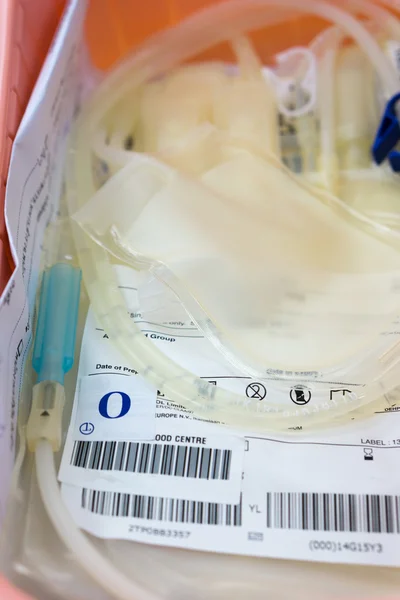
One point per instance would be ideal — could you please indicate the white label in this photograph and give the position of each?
(181, 465)
(331, 496)
(33, 190)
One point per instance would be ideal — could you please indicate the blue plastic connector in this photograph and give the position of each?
(53, 353)
(388, 136)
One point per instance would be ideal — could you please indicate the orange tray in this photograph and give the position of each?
(26, 30)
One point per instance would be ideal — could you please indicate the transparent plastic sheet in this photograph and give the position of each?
(48, 570)
(265, 252)
(155, 180)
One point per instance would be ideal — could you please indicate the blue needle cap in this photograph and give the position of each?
(53, 353)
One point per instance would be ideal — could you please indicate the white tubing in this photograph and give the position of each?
(328, 45)
(89, 558)
(209, 27)
(381, 16)
(217, 24)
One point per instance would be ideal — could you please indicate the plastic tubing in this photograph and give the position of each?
(380, 15)
(328, 44)
(99, 568)
(162, 52)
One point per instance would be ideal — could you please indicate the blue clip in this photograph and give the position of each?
(387, 136)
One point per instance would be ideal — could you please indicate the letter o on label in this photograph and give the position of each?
(125, 405)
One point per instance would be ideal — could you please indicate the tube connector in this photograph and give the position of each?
(45, 419)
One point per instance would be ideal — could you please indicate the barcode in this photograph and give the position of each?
(114, 504)
(364, 513)
(153, 459)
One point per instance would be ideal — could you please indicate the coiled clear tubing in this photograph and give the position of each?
(284, 239)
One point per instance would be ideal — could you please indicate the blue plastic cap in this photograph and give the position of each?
(387, 136)
(53, 353)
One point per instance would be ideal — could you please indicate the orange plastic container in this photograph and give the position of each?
(115, 27)
(26, 30)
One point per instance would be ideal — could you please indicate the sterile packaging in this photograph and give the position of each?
(227, 424)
